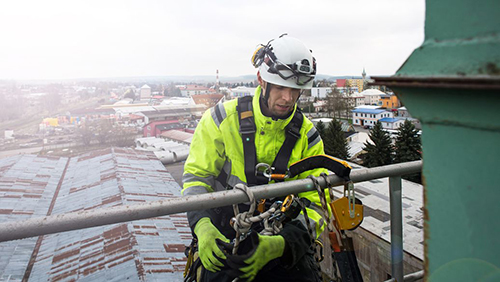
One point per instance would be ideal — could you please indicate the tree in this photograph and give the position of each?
(103, 129)
(333, 103)
(408, 147)
(335, 142)
(130, 94)
(320, 127)
(86, 134)
(380, 152)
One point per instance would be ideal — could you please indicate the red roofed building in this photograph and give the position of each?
(155, 128)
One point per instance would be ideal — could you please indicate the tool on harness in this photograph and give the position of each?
(193, 269)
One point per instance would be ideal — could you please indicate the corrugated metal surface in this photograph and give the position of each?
(178, 136)
(27, 187)
(147, 250)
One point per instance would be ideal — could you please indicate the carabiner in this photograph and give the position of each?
(265, 169)
(287, 203)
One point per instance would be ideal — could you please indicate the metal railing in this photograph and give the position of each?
(98, 217)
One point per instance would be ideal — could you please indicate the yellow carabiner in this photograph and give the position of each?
(287, 203)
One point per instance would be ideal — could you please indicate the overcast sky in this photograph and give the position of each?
(104, 38)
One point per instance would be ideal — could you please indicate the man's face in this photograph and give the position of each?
(281, 100)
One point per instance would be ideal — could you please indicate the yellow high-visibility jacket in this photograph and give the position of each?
(217, 146)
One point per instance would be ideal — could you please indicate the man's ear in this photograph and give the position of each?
(260, 80)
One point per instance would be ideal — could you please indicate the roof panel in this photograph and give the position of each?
(116, 252)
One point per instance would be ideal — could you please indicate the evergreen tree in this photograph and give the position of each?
(335, 142)
(408, 147)
(320, 127)
(380, 152)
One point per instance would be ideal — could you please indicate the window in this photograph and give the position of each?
(149, 127)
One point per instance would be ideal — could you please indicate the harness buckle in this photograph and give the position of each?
(247, 130)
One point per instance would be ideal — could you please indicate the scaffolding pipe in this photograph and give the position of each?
(412, 277)
(396, 211)
(98, 217)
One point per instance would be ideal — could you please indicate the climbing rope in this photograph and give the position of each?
(242, 222)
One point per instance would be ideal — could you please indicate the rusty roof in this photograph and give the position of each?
(143, 250)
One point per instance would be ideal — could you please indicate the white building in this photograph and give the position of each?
(392, 123)
(9, 134)
(372, 97)
(242, 91)
(320, 92)
(145, 92)
(365, 116)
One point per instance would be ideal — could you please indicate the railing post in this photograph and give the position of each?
(396, 228)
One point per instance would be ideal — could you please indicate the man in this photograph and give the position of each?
(281, 135)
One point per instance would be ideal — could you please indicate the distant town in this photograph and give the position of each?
(68, 118)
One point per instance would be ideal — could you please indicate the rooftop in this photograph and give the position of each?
(34, 186)
(368, 111)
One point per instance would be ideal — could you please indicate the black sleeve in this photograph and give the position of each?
(297, 243)
(194, 216)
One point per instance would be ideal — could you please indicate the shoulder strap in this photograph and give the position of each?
(292, 134)
(247, 130)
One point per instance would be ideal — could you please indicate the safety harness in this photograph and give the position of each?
(248, 129)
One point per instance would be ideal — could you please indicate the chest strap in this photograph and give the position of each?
(247, 131)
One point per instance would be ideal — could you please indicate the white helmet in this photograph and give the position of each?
(287, 62)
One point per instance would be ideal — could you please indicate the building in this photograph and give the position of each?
(320, 92)
(372, 97)
(355, 83)
(390, 101)
(344, 86)
(156, 128)
(241, 91)
(145, 92)
(403, 112)
(194, 89)
(392, 123)
(369, 116)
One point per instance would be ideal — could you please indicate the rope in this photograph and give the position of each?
(243, 221)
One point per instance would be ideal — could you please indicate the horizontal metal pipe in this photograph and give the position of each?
(98, 217)
(412, 277)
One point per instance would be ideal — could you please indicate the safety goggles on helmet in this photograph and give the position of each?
(301, 71)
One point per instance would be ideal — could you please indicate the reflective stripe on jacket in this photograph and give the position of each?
(217, 146)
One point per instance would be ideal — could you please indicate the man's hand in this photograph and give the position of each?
(208, 250)
(269, 248)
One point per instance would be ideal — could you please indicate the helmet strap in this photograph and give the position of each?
(265, 97)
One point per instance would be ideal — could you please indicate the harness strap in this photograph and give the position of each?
(247, 130)
(292, 134)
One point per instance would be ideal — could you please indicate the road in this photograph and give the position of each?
(33, 150)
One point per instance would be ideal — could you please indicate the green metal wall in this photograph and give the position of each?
(461, 137)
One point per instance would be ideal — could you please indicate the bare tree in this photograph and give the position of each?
(103, 129)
